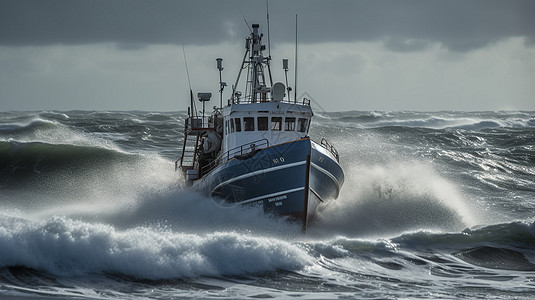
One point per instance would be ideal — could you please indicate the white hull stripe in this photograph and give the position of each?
(263, 171)
(272, 195)
(322, 170)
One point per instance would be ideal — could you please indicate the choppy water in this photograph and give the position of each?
(435, 205)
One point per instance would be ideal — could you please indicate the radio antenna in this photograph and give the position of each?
(295, 73)
(186, 64)
(192, 103)
(246, 23)
(267, 17)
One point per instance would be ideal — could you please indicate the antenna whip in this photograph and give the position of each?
(269, 40)
(186, 64)
(192, 103)
(246, 23)
(295, 73)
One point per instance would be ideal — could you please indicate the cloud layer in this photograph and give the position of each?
(410, 25)
(365, 54)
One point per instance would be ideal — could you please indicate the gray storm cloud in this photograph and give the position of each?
(411, 25)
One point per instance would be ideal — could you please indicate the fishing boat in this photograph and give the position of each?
(256, 149)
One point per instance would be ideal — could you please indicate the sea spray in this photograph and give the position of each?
(389, 200)
(187, 210)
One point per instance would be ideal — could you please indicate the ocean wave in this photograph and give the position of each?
(39, 130)
(62, 246)
(478, 125)
(439, 120)
(48, 179)
(382, 201)
(507, 246)
(66, 247)
(37, 157)
(519, 234)
(496, 258)
(159, 117)
(24, 129)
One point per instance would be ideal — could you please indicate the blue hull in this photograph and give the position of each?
(287, 179)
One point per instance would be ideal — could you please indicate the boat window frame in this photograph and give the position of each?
(248, 124)
(287, 123)
(263, 128)
(278, 121)
(300, 127)
(237, 122)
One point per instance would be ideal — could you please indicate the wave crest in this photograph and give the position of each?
(379, 201)
(62, 246)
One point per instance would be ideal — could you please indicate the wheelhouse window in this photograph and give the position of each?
(302, 125)
(289, 124)
(231, 125)
(237, 122)
(263, 123)
(276, 123)
(248, 124)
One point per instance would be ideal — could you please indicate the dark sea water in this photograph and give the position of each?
(435, 205)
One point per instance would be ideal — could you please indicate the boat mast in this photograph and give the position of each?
(255, 87)
(235, 94)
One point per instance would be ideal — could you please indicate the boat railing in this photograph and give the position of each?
(331, 148)
(236, 152)
(252, 99)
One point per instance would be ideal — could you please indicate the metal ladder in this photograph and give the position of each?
(189, 152)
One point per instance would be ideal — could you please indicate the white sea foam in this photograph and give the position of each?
(64, 246)
(388, 200)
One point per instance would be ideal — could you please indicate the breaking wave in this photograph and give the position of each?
(66, 247)
(91, 207)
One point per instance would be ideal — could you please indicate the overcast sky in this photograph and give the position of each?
(353, 55)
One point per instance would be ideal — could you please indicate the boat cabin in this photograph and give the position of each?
(270, 122)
